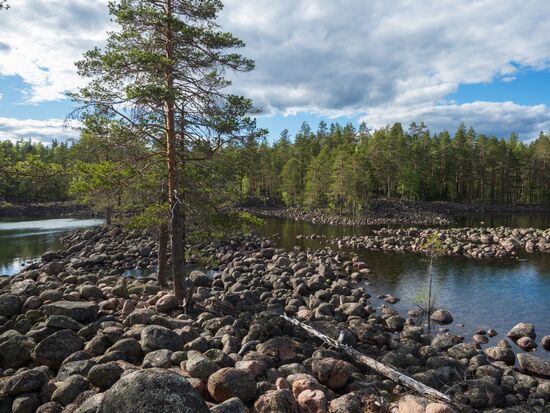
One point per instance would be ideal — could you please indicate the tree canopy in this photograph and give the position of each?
(161, 78)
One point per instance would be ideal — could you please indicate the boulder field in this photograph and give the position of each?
(478, 243)
(76, 336)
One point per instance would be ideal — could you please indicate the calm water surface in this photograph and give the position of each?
(22, 240)
(480, 294)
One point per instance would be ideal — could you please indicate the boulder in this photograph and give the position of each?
(152, 391)
(90, 292)
(312, 401)
(158, 358)
(91, 404)
(501, 352)
(24, 287)
(480, 339)
(276, 401)
(282, 349)
(234, 405)
(68, 368)
(395, 322)
(522, 330)
(438, 408)
(68, 390)
(543, 391)
(199, 366)
(533, 365)
(10, 305)
(300, 382)
(412, 404)
(200, 279)
(26, 381)
(462, 350)
(105, 375)
(157, 338)
(331, 372)
(77, 310)
(167, 303)
(15, 349)
(442, 317)
(26, 403)
(50, 295)
(55, 348)
(545, 343)
(230, 382)
(63, 322)
(50, 256)
(527, 343)
(446, 341)
(348, 403)
(53, 268)
(51, 407)
(130, 347)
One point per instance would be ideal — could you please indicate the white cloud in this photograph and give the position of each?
(41, 40)
(349, 57)
(384, 61)
(499, 118)
(37, 130)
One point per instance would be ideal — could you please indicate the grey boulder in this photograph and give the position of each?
(152, 391)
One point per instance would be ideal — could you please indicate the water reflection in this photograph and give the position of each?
(24, 240)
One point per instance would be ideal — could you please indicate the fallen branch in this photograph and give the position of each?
(380, 368)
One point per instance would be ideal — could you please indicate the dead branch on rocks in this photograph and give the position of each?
(380, 368)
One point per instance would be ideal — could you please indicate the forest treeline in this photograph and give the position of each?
(35, 172)
(343, 167)
(337, 167)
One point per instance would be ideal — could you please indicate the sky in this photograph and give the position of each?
(482, 62)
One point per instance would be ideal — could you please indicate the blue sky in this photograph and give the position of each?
(528, 88)
(482, 62)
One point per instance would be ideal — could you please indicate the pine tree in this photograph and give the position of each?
(290, 181)
(161, 75)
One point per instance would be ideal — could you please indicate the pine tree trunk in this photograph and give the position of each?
(108, 215)
(176, 206)
(163, 255)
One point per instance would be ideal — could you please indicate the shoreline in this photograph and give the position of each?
(394, 212)
(44, 210)
(113, 327)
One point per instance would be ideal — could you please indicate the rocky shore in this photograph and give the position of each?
(75, 336)
(476, 243)
(393, 212)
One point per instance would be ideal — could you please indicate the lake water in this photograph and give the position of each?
(480, 294)
(22, 240)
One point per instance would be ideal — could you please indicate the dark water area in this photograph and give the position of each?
(539, 220)
(495, 293)
(25, 239)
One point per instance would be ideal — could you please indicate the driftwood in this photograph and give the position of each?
(380, 368)
(248, 345)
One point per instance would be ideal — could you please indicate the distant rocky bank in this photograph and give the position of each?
(75, 336)
(476, 243)
(393, 212)
(45, 210)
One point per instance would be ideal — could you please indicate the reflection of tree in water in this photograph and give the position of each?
(289, 230)
(24, 247)
(538, 220)
(542, 264)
